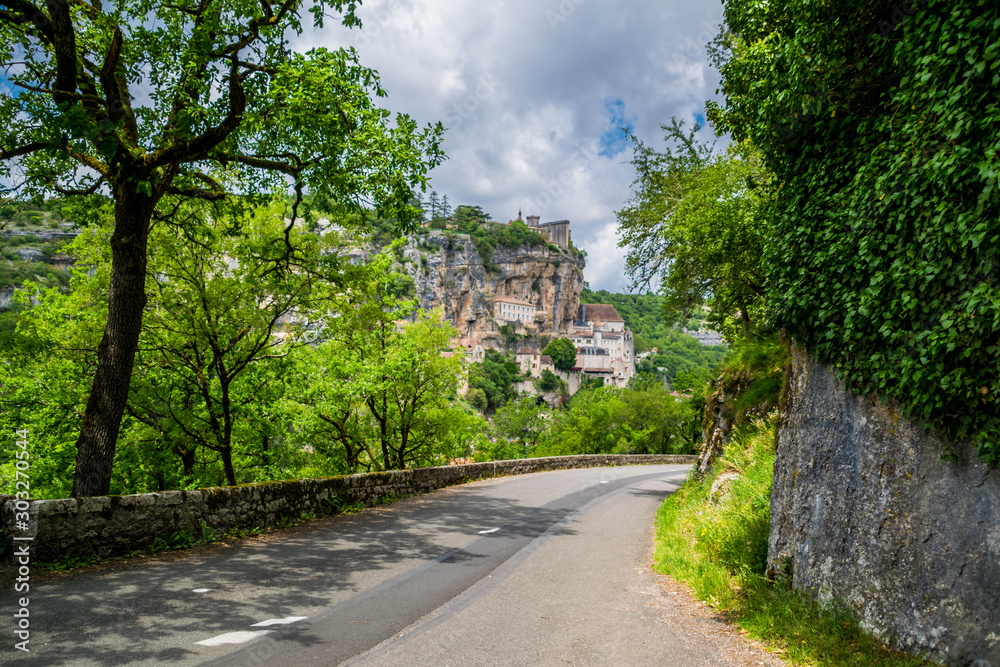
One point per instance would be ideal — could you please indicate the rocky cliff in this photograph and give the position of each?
(864, 509)
(448, 271)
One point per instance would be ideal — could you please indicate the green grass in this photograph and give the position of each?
(720, 550)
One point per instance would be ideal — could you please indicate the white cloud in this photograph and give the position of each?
(524, 97)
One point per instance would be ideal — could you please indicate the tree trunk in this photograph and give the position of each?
(227, 465)
(745, 316)
(95, 448)
(187, 455)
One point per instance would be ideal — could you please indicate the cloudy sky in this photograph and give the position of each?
(534, 93)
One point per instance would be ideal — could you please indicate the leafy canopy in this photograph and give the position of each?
(882, 131)
(155, 96)
(695, 227)
(563, 353)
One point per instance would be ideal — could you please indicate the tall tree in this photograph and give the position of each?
(381, 389)
(563, 353)
(695, 227)
(523, 421)
(152, 101)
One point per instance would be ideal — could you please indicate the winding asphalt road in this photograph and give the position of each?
(548, 568)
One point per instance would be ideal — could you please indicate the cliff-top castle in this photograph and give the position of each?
(528, 291)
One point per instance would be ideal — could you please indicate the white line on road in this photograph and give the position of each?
(278, 621)
(234, 637)
(201, 590)
(488, 531)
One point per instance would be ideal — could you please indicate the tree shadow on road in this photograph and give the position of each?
(125, 617)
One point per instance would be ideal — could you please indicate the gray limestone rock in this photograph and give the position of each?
(864, 509)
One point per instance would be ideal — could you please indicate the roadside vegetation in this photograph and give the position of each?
(712, 534)
(719, 548)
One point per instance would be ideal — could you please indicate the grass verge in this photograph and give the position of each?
(719, 548)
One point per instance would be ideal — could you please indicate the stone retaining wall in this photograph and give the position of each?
(116, 525)
(865, 510)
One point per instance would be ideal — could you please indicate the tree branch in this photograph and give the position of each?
(118, 107)
(64, 46)
(22, 150)
(29, 13)
(76, 192)
(199, 147)
(197, 193)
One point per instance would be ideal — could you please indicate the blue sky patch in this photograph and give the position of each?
(614, 141)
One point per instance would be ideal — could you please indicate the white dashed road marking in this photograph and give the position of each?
(278, 621)
(603, 481)
(487, 532)
(234, 637)
(201, 590)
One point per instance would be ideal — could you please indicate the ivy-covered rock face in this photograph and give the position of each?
(882, 127)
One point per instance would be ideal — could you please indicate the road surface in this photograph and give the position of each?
(543, 569)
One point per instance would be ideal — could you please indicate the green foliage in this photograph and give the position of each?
(882, 136)
(752, 376)
(611, 420)
(64, 563)
(476, 397)
(338, 505)
(522, 422)
(227, 386)
(378, 396)
(157, 104)
(720, 550)
(551, 382)
(695, 226)
(469, 219)
(588, 382)
(211, 359)
(563, 353)
(495, 377)
(488, 237)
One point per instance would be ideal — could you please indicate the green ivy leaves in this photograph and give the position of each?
(883, 253)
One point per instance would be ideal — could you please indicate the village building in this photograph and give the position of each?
(474, 352)
(556, 232)
(599, 327)
(598, 316)
(532, 362)
(589, 357)
(510, 311)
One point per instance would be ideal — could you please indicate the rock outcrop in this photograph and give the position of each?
(864, 509)
(449, 272)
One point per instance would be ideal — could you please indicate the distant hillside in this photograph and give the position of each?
(676, 351)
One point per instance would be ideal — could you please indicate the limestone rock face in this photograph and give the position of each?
(449, 272)
(864, 509)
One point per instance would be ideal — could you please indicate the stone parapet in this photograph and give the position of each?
(115, 525)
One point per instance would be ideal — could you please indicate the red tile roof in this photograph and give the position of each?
(605, 312)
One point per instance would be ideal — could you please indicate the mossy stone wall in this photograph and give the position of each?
(115, 525)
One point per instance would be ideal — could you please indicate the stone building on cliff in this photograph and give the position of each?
(604, 346)
(556, 232)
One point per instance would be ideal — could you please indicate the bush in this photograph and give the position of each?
(550, 381)
(720, 549)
